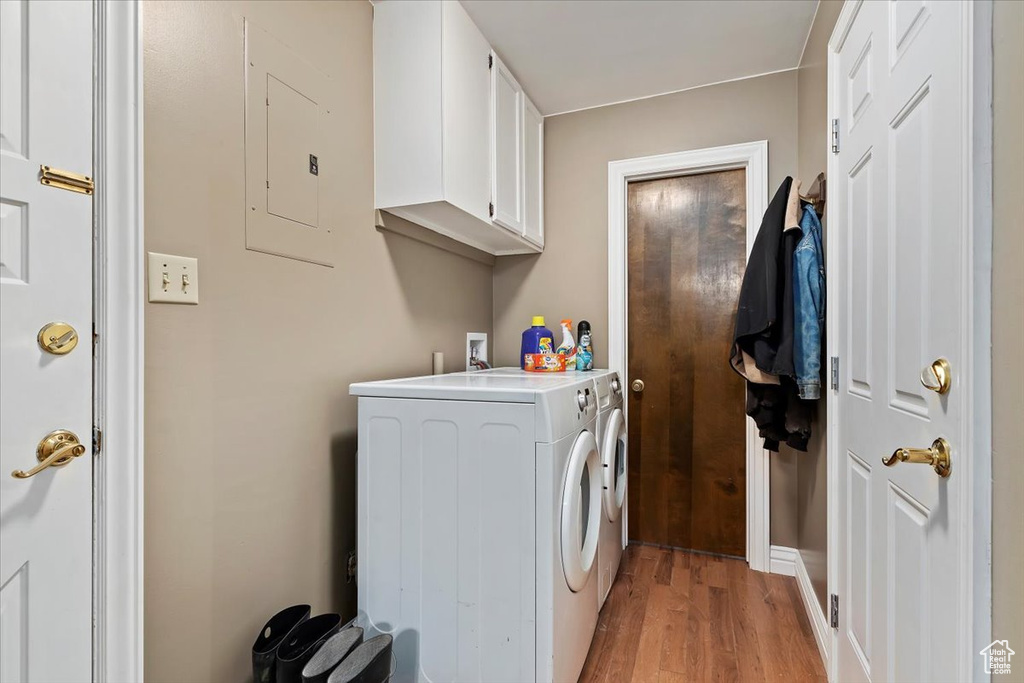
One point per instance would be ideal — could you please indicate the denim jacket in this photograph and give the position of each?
(809, 306)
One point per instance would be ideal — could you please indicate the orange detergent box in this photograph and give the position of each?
(545, 362)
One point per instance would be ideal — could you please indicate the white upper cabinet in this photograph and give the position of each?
(533, 189)
(450, 129)
(507, 168)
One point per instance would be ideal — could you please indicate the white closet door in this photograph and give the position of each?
(507, 102)
(900, 288)
(46, 562)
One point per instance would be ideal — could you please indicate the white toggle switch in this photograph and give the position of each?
(173, 279)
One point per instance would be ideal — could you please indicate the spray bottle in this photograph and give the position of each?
(585, 350)
(568, 345)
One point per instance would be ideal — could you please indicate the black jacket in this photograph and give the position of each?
(762, 349)
(764, 315)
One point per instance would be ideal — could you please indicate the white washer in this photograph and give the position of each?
(613, 445)
(479, 514)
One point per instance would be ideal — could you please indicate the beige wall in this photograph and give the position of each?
(250, 431)
(812, 477)
(1008, 327)
(570, 278)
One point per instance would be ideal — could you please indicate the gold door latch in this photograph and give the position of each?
(57, 449)
(937, 377)
(938, 456)
(57, 338)
(66, 180)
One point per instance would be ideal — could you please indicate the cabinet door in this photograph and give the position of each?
(506, 147)
(466, 96)
(533, 228)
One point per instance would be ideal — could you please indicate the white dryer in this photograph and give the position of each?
(479, 515)
(612, 442)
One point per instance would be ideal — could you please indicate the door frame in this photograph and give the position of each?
(753, 157)
(118, 277)
(974, 476)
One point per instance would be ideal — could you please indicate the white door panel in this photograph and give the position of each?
(533, 189)
(507, 168)
(898, 91)
(45, 276)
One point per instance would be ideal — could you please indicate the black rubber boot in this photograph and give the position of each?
(368, 663)
(302, 643)
(264, 650)
(330, 654)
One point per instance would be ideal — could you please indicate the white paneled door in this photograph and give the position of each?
(899, 90)
(46, 100)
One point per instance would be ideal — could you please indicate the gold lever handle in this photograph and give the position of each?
(57, 449)
(937, 377)
(938, 456)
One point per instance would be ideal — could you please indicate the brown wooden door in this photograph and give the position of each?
(687, 444)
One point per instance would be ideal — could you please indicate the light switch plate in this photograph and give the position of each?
(173, 279)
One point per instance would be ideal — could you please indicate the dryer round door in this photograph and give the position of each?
(613, 454)
(581, 511)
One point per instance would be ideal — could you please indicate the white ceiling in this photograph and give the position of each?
(575, 54)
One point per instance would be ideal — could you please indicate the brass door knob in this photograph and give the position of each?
(57, 449)
(938, 456)
(937, 377)
(637, 386)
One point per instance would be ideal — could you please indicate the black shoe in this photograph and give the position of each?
(368, 663)
(264, 650)
(330, 654)
(302, 643)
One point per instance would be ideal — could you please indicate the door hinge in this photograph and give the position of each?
(834, 611)
(835, 136)
(351, 566)
(490, 61)
(835, 373)
(490, 209)
(66, 180)
(97, 440)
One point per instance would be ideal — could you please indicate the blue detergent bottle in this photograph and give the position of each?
(536, 339)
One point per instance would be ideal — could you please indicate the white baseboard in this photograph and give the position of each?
(783, 560)
(819, 623)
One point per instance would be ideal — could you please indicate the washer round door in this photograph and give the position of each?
(581, 511)
(613, 454)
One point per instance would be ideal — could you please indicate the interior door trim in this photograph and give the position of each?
(118, 274)
(974, 595)
(753, 157)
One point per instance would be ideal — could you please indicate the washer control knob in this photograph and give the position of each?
(581, 400)
(616, 387)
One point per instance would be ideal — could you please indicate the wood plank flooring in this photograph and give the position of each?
(676, 616)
